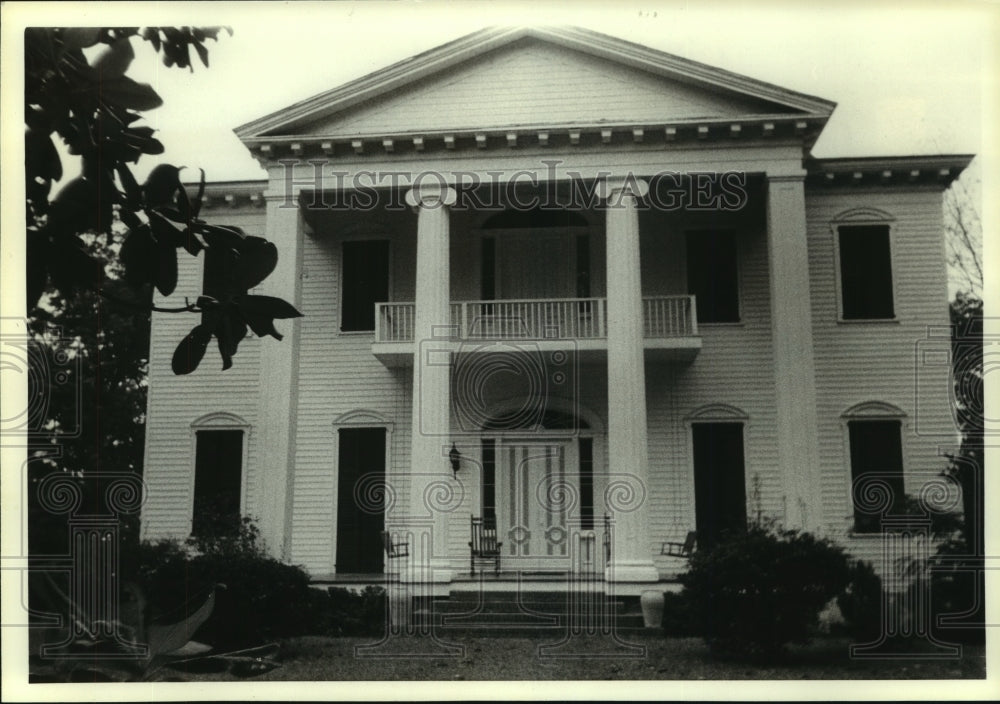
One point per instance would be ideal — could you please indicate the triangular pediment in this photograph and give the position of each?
(533, 78)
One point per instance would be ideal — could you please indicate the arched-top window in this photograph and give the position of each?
(875, 447)
(864, 255)
(219, 457)
(717, 412)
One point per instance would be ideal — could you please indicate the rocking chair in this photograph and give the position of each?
(484, 546)
(685, 549)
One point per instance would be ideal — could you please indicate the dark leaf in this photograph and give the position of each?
(262, 325)
(133, 194)
(191, 350)
(114, 61)
(79, 37)
(228, 334)
(191, 243)
(73, 209)
(166, 267)
(152, 35)
(40, 156)
(164, 638)
(127, 93)
(202, 53)
(268, 306)
(258, 257)
(161, 185)
(222, 234)
(138, 254)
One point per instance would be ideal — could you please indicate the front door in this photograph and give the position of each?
(360, 509)
(537, 489)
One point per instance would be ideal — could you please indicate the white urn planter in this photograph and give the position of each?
(651, 602)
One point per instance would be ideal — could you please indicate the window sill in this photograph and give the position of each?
(355, 333)
(727, 324)
(868, 321)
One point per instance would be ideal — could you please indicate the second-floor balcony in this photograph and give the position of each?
(670, 327)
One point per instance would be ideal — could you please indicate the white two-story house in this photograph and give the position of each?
(596, 294)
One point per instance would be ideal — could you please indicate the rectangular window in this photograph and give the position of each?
(865, 272)
(364, 282)
(713, 275)
(489, 497)
(586, 484)
(218, 479)
(876, 456)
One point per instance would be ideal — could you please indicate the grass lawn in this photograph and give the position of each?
(655, 658)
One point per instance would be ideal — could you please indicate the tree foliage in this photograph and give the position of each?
(77, 89)
(964, 236)
(93, 417)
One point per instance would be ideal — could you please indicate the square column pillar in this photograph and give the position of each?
(279, 369)
(627, 493)
(431, 482)
(794, 365)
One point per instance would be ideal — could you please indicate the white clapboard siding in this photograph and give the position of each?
(175, 402)
(733, 368)
(858, 362)
(338, 374)
(531, 85)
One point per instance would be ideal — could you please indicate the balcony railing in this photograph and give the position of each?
(547, 319)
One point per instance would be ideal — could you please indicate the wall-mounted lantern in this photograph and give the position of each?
(456, 459)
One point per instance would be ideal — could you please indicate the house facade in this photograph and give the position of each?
(598, 295)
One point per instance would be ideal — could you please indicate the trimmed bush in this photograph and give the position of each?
(861, 603)
(258, 598)
(753, 593)
(679, 618)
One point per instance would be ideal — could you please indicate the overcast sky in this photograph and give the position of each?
(907, 77)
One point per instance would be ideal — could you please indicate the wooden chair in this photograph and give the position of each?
(392, 549)
(684, 549)
(484, 546)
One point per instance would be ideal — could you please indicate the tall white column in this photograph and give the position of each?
(794, 367)
(628, 481)
(279, 365)
(431, 481)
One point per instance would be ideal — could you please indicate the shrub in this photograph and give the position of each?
(755, 592)
(354, 614)
(861, 603)
(950, 584)
(679, 618)
(258, 598)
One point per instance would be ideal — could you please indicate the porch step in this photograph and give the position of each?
(526, 614)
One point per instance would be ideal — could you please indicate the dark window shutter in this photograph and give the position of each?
(713, 275)
(364, 282)
(865, 272)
